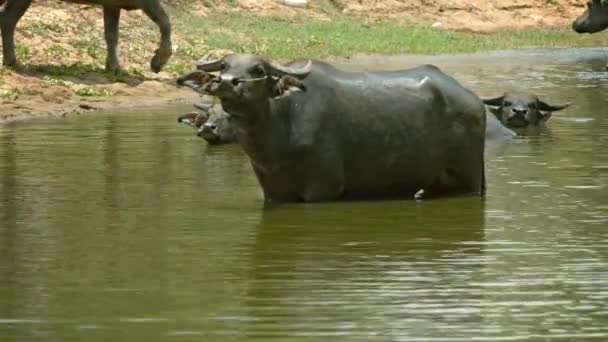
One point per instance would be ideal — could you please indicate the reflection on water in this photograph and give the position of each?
(127, 227)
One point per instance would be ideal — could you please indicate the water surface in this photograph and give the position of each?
(127, 227)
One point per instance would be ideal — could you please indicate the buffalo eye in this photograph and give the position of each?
(257, 70)
(507, 103)
(532, 106)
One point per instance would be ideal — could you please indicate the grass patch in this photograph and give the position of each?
(40, 27)
(10, 94)
(282, 37)
(56, 81)
(74, 70)
(56, 50)
(22, 52)
(92, 47)
(88, 91)
(179, 68)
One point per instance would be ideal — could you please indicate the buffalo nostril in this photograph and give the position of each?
(519, 111)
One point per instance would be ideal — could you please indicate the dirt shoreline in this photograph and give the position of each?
(57, 101)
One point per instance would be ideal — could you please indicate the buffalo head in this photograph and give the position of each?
(245, 78)
(594, 19)
(522, 110)
(211, 124)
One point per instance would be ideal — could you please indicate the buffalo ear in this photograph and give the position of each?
(189, 118)
(495, 102)
(545, 107)
(543, 116)
(199, 81)
(287, 85)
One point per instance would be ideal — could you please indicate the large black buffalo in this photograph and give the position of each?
(316, 133)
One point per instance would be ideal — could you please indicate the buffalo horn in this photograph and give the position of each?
(280, 70)
(207, 65)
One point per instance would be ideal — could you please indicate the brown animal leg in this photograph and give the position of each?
(10, 13)
(155, 11)
(111, 20)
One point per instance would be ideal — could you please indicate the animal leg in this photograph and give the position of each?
(155, 11)
(10, 13)
(111, 20)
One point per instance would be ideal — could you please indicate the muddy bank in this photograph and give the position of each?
(39, 99)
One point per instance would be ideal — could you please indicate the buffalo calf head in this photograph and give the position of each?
(211, 124)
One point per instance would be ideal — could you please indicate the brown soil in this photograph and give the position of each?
(51, 29)
(471, 15)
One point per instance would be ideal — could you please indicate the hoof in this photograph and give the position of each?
(159, 60)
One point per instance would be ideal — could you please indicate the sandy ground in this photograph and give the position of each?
(50, 26)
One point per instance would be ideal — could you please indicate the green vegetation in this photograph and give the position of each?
(281, 37)
(87, 91)
(22, 52)
(40, 27)
(56, 50)
(74, 70)
(10, 94)
(92, 46)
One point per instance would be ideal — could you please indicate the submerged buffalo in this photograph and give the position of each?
(12, 10)
(316, 133)
(211, 123)
(522, 110)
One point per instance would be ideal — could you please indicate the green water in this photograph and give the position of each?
(127, 227)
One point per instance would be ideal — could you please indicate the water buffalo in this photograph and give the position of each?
(594, 19)
(521, 110)
(12, 10)
(211, 123)
(316, 133)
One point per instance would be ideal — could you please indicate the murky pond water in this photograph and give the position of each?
(119, 227)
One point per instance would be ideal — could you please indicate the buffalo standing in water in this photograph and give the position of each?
(12, 10)
(211, 123)
(522, 110)
(308, 132)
